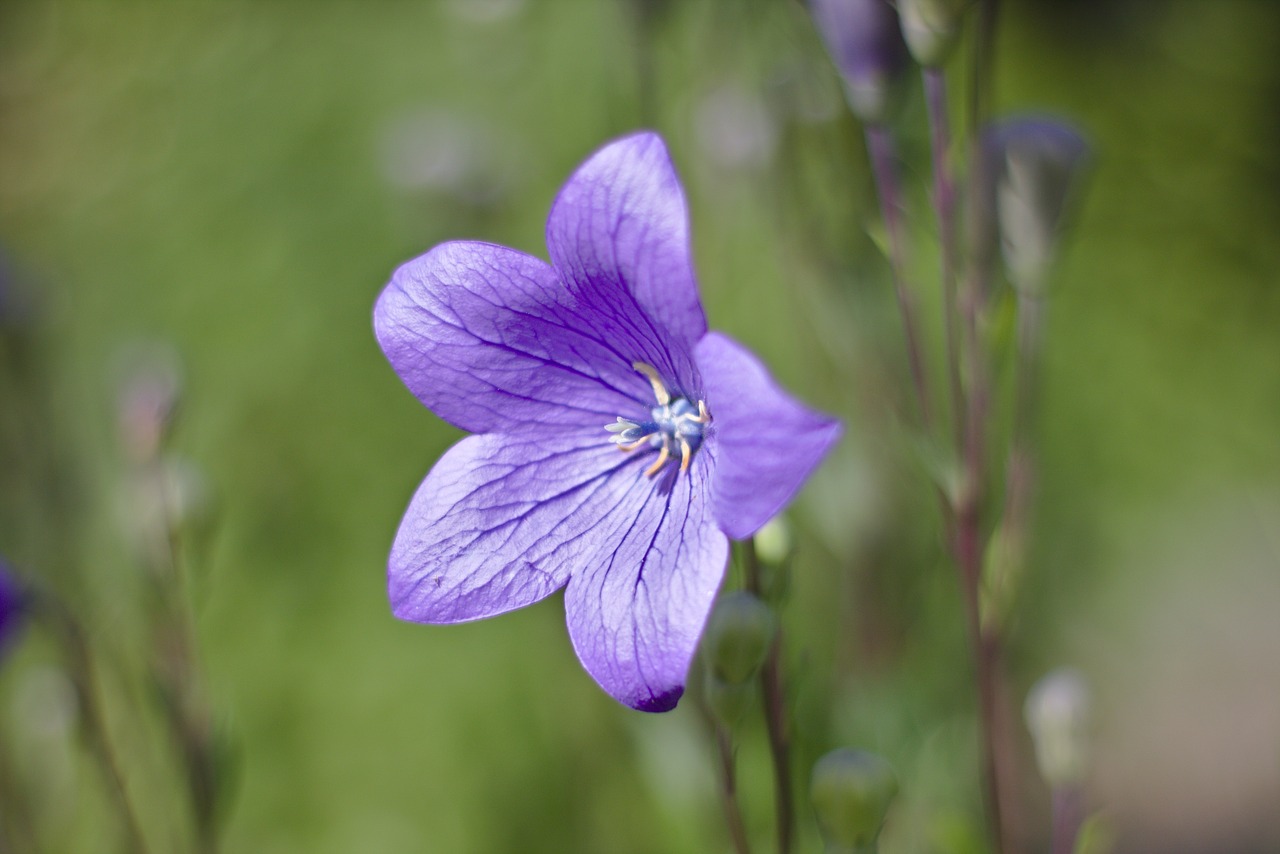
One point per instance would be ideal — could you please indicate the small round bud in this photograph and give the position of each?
(774, 543)
(930, 27)
(738, 636)
(1057, 713)
(774, 549)
(729, 702)
(851, 791)
(865, 40)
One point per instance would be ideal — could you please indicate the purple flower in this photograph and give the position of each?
(11, 605)
(864, 39)
(618, 444)
(1029, 173)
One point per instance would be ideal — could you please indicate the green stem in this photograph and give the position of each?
(773, 695)
(880, 147)
(729, 790)
(186, 712)
(80, 665)
(968, 543)
(935, 86)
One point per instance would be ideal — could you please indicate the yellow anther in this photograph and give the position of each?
(659, 389)
(663, 456)
(704, 417)
(643, 440)
(686, 454)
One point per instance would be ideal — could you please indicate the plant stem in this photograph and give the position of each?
(177, 669)
(775, 715)
(968, 542)
(969, 548)
(645, 23)
(880, 146)
(1020, 465)
(935, 89)
(80, 664)
(729, 790)
(1068, 813)
(980, 95)
(985, 649)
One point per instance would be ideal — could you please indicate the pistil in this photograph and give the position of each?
(674, 425)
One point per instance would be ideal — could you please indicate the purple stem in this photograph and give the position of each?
(935, 90)
(881, 148)
(1068, 815)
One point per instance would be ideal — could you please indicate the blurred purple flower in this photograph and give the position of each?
(11, 605)
(865, 40)
(1034, 169)
(556, 367)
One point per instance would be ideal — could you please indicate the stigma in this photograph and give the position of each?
(674, 427)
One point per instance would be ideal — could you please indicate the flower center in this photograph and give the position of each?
(674, 427)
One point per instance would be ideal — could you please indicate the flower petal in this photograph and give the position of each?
(767, 442)
(489, 339)
(636, 612)
(501, 521)
(619, 234)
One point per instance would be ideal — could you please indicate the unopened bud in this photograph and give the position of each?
(1038, 165)
(851, 792)
(775, 547)
(930, 27)
(1057, 713)
(729, 702)
(865, 40)
(738, 636)
(147, 400)
(774, 543)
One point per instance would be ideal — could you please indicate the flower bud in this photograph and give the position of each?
(147, 400)
(1057, 713)
(11, 605)
(774, 543)
(1037, 166)
(738, 636)
(865, 40)
(851, 791)
(729, 702)
(775, 547)
(930, 28)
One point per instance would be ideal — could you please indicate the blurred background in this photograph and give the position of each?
(218, 191)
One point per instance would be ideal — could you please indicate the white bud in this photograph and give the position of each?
(1057, 713)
